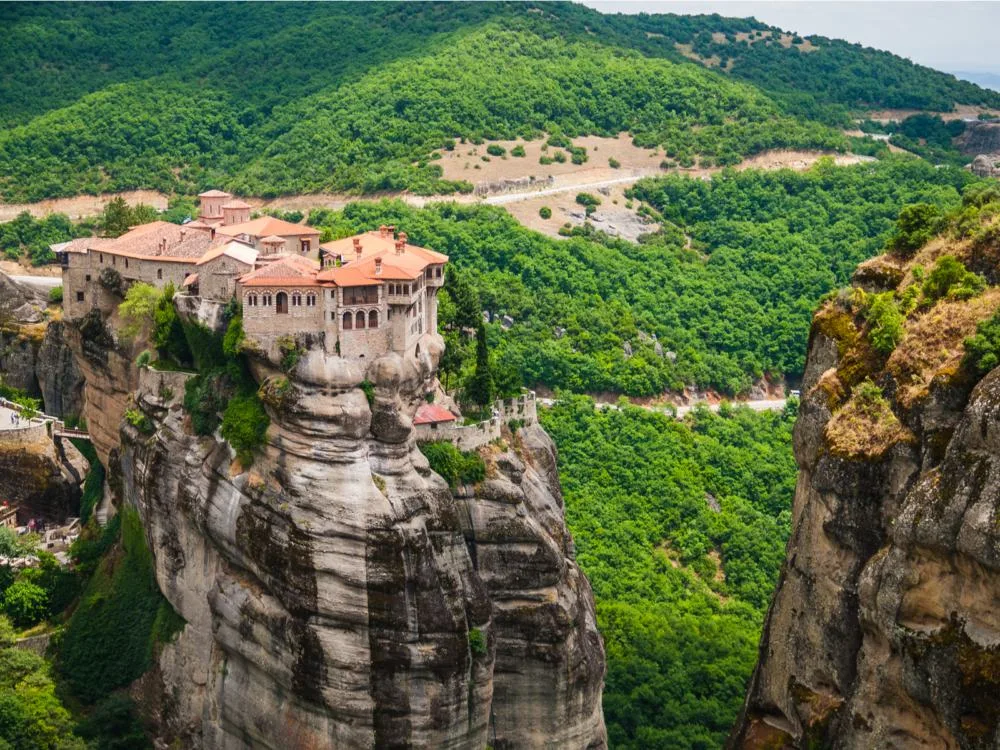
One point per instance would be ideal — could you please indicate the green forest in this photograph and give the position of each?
(681, 529)
(766, 246)
(180, 97)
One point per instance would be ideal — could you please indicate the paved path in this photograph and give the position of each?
(6, 424)
(46, 282)
(499, 200)
(770, 404)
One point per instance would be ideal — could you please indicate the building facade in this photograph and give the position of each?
(373, 294)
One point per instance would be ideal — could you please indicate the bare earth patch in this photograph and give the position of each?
(82, 206)
(961, 112)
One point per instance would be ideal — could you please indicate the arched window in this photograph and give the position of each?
(359, 321)
(159, 273)
(252, 300)
(296, 300)
(282, 302)
(416, 351)
(310, 300)
(348, 321)
(267, 300)
(373, 319)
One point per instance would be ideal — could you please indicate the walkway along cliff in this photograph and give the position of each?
(884, 630)
(337, 593)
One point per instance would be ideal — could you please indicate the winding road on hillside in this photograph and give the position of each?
(765, 404)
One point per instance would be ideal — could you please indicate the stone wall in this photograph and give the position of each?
(470, 437)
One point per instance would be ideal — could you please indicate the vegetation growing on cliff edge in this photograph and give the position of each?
(738, 304)
(111, 638)
(681, 529)
(455, 466)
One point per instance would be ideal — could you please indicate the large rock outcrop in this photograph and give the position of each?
(38, 360)
(884, 631)
(337, 594)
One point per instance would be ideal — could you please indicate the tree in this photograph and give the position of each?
(452, 358)
(886, 323)
(116, 218)
(917, 223)
(26, 603)
(137, 309)
(479, 389)
(468, 313)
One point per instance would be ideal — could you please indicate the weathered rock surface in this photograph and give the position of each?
(42, 479)
(884, 631)
(337, 594)
(44, 367)
(980, 138)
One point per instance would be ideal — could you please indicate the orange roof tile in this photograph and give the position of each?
(267, 225)
(214, 194)
(288, 270)
(348, 276)
(236, 204)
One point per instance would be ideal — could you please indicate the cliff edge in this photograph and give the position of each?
(884, 630)
(337, 593)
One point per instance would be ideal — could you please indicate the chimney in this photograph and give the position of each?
(400, 246)
(383, 231)
(163, 244)
(403, 237)
(378, 266)
(183, 232)
(391, 229)
(357, 248)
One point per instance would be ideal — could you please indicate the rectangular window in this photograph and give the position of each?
(305, 244)
(159, 273)
(88, 277)
(79, 296)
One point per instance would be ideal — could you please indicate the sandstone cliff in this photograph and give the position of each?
(337, 594)
(884, 630)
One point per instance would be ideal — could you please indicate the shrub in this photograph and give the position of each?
(559, 157)
(290, 353)
(517, 151)
(143, 359)
(587, 199)
(950, 278)
(454, 466)
(202, 400)
(915, 226)
(137, 309)
(886, 323)
(25, 603)
(578, 154)
(614, 163)
(477, 641)
(138, 420)
(545, 212)
(244, 426)
(56, 294)
(495, 150)
(112, 281)
(369, 388)
(545, 159)
(982, 351)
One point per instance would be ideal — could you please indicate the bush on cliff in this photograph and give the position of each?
(455, 466)
(244, 426)
(111, 638)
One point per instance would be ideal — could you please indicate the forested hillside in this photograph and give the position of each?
(280, 99)
(681, 529)
(737, 304)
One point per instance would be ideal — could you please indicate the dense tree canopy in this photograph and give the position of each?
(180, 97)
(681, 529)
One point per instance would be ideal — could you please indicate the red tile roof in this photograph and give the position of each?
(235, 204)
(287, 270)
(214, 194)
(432, 414)
(267, 225)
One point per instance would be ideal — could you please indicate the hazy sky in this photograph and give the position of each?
(948, 35)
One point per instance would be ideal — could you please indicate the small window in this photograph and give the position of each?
(428, 273)
(310, 300)
(306, 246)
(113, 261)
(102, 257)
(296, 300)
(79, 296)
(438, 272)
(373, 319)
(88, 277)
(388, 314)
(333, 315)
(348, 321)
(126, 263)
(359, 321)
(159, 273)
